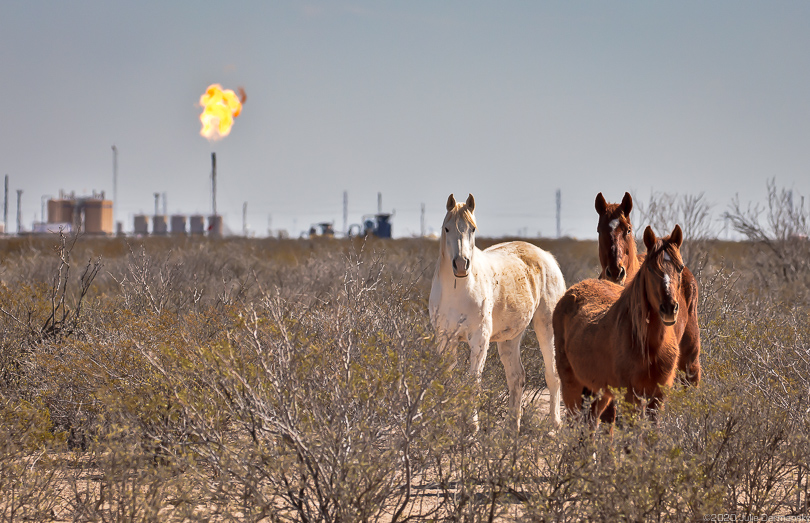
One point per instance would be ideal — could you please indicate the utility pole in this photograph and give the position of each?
(19, 211)
(422, 222)
(157, 202)
(559, 206)
(244, 219)
(5, 209)
(165, 206)
(115, 183)
(44, 201)
(214, 183)
(379, 203)
(345, 212)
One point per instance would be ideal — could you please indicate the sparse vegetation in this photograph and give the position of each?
(272, 380)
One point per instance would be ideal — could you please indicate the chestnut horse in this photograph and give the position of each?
(620, 263)
(609, 337)
(492, 295)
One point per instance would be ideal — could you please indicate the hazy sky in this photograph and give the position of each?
(415, 99)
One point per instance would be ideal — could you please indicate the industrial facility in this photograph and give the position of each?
(95, 215)
(176, 225)
(87, 214)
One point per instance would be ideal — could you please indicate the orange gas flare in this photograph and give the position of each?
(219, 110)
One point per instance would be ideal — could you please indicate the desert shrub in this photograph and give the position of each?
(27, 472)
(265, 380)
(691, 211)
(779, 257)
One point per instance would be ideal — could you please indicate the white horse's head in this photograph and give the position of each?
(458, 235)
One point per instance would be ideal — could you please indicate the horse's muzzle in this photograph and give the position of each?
(668, 313)
(461, 267)
(616, 275)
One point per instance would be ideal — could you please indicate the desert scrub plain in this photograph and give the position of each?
(184, 379)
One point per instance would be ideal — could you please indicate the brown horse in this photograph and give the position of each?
(608, 337)
(620, 263)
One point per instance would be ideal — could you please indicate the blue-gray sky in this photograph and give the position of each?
(417, 99)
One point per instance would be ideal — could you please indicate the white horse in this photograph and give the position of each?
(492, 295)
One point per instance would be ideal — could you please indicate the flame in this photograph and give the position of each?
(219, 110)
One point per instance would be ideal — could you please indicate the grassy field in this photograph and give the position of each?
(181, 379)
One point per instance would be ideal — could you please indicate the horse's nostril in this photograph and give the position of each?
(668, 308)
(466, 264)
(609, 274)
(622, 272)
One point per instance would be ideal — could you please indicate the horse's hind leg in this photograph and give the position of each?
(545, 337)
(572, 389)
(509, 352)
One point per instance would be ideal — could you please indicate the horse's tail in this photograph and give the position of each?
(555, 280)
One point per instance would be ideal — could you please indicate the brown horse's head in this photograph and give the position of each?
(662, 275)
(458, 235)
(617, 245)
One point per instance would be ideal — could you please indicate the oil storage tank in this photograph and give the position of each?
(197, 224)
(178, 224)
(141, 224)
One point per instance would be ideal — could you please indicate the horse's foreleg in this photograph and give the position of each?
(598, 407)
(448, 349)
(545, 337)
(647, 406)
(479, 344)
(689, 361)
(509, 352)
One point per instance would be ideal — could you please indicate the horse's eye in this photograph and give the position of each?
(681, 268)
(473, 229)
(628, 232)
(446, 229)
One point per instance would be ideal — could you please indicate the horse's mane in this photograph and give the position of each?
(638, 308)
(459, 212)
(635, 292)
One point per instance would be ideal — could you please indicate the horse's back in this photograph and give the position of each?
(526, 283)
(526, 259)
(589, 300)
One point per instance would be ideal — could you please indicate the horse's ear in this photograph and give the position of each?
(676, 238)
(649, 238)
(600, 204)
(471, 202)
(627, 204)
(451, 202)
